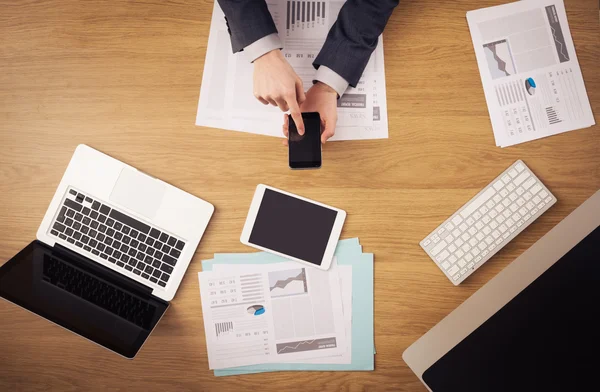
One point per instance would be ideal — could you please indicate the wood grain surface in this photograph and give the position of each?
(124, 76)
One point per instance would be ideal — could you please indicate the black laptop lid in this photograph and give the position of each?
(547, 338)
(81, 296)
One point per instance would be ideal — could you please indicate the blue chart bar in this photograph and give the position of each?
(318, 12)
(313, 11)
(323, 11)
(288, 16)
(298, 11)
(308, 12)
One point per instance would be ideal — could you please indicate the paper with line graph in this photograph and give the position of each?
(531, 77)
(271, 313)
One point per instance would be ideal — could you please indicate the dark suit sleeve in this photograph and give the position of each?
(353, 37)
(247, 21)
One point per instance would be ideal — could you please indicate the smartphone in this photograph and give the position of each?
(305, 150)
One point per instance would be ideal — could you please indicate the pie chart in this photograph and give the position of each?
(530, 86)
(256, 310)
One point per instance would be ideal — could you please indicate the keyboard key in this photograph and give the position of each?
(453, 270)
(132, 252)
(456, 220)
(148, 269)
(150, 251)
(156, 263)
(142, 237)
(157, 245)
(442, 256)
(95, 224)
(69, 232)
(134, 233)
(93, 243)
(79, 244)
(77, 235)
(104, 209)
(166, 268)
(134, 243)
(165, 277)
(125, 230)
(498, 185)
(94, 215)
(161, 283)
(54, 233)
(149, 241)
(120, 264)
(102, 218)
(74, 205)
(108, 251)
(110, 222)
(462, 263)
(129, 221)
(426, 243)
(117, 254)
(124, 248)
(129, 268)
(139, 255)
(436, 249)
(153, 279)
(172, 240)
(154, 234)
(78, 217)
(148, 260)
(100, 247)
(86, 221)
(118, 225)
(169, 260)
(104, 256)
(69, 222)
(142, 247)
(164, 237)
(94, 251)
(137, 272)
(470, 221)
(110, 232)
(118, 235)
(87, 248)
(59, 227)
(95, 205)
(156, 273)
(158, 255)
(124, 258)
(140, 265)
(145, 275)
(112, 259)
(73, 192)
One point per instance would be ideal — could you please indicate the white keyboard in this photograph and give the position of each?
(487, 222)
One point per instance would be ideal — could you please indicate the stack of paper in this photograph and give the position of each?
(226, 95)
(531, 77)
(263, 313)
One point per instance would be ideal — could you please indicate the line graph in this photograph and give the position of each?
(288, 282)
(306, 345)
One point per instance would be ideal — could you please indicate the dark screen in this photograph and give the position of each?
(293, 227)
(544, 339)
(81, 297)
(305, 150)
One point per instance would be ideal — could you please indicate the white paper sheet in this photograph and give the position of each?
(279, 313)
(345, 277)
(226, 95)
(531, 77)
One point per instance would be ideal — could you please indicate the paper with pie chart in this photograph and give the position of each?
(531, 78)
(269, 313)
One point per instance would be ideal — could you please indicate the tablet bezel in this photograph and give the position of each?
(334, 235)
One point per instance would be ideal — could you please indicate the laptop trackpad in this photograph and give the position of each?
(138, 192)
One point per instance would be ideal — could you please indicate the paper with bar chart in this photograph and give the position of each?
(531, 77)
(272, 313)
(226, 94)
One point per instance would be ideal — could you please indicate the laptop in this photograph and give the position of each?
(533, 327)
(110, 253)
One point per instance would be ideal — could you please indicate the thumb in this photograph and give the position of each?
(328, 129)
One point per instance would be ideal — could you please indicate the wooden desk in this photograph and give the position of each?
(124, 77)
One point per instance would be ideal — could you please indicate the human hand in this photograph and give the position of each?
(276, 83)
(323, 99)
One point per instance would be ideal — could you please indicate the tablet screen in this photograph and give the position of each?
(292, 226)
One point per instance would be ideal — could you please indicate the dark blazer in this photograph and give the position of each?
(348, 46)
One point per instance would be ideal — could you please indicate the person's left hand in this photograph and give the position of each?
(323, 99)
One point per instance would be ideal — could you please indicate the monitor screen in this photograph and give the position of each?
(545, 339)
(82, 297)
(293, 226)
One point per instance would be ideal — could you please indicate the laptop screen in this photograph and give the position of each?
(545, 339)
(82, 297)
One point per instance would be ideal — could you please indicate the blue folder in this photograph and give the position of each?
(348, 252)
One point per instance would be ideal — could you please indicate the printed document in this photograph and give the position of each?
(345, 276)
(226, 95)
(531, 77)
(279, 313)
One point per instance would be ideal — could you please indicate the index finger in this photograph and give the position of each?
(296, 115)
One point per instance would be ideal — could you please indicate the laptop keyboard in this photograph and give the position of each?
(117, 237)
(98, 292)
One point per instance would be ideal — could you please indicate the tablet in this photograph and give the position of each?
(292, 226)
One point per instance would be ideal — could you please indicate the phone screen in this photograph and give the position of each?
(305, 150)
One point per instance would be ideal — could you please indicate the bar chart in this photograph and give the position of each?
(305, 15)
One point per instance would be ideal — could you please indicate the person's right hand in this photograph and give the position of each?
(276, 83)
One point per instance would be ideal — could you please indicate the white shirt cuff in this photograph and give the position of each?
(332, 79)
(262, 46)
